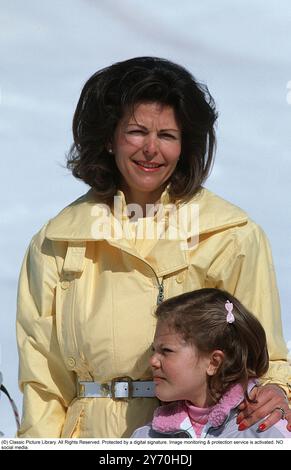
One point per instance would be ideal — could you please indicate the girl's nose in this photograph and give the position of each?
(155, 361)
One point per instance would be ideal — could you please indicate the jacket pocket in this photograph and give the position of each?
(65, 318)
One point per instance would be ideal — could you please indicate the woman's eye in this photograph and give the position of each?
(168, 136)
(136, 131)
(167, 350)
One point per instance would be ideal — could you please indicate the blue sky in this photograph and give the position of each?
(240, 49)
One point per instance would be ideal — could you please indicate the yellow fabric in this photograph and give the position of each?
(92, 314)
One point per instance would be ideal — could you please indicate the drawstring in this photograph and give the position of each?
(13, 405)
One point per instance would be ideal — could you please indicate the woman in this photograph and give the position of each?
(144, 142)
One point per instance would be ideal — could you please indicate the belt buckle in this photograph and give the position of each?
(126, 379)
(80, 390)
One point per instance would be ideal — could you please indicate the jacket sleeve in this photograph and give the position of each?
(47, 386)
(246, 270)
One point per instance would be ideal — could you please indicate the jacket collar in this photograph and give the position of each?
(78, 221)
(174, 417)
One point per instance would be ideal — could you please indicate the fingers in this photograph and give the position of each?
(274, 417)
(242, 406)
(289, 425)
(251, 415)
(246, 419)
(270, 407)
(252, 395)
(271, 411)
(288, 418)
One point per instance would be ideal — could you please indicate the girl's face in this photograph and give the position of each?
(179, 372)
(147, 147)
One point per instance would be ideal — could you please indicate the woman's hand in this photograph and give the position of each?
(271, 401)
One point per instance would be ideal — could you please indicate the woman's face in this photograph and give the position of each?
(147, 146)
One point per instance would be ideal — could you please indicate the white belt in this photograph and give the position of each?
(120, 388)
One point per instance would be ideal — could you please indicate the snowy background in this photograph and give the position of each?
(241, 49)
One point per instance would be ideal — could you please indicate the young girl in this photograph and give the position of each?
(208, 353)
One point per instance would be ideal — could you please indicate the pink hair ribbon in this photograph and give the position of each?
(229, 307)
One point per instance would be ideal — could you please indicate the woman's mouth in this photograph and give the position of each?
(148, 166)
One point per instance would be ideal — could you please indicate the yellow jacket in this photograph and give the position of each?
(86, 304)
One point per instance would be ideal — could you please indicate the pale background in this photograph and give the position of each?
(241, 49)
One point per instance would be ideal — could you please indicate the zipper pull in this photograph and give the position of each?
(161, 293)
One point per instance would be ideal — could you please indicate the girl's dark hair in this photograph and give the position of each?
(112, 91)
(200, 318)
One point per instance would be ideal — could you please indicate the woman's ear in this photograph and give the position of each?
(109, 148)
(215, 360)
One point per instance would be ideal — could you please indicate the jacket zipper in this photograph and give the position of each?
(160, 297)
(161, 293)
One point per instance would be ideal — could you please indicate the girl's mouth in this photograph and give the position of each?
(158, 379)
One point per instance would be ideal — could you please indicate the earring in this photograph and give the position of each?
(110, 150)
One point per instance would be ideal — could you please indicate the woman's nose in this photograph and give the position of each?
(151, 146)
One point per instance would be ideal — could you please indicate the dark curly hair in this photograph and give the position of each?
(200, 318)
(112, 91)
